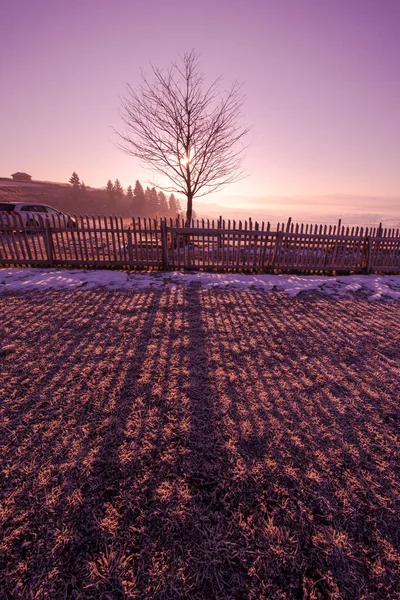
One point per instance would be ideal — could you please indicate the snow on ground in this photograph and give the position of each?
(374, 286)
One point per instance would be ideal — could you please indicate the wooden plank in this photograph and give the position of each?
(55, 236)
(208, 241)
(65, 239)
(139, 239)
(394, 254)
(239, 241)
(263, 249)
(49, 244)
(124, 239)
(157, 231)
(212, 231)
(276, 248)
(129, 243)
(90, 236)
(9, 237)
(24, 236)
(164, 245)
(203, 249)
(19, 252)
(19, 261)
(113, 240)
(369, 249)
(105, 246)
(97, 239)
(85, 246)
(149, 240)
(119, 240)
(73, 234)
(212, 247)
(135, 236)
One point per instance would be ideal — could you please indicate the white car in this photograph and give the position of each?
(29, 212)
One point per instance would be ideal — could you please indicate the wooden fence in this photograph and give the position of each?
(224, 245)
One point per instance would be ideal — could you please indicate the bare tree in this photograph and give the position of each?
(184, 130)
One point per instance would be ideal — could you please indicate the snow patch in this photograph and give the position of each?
(374, 286)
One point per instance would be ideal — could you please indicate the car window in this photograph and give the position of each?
(52, 211)
(7, 207)
(34, 208)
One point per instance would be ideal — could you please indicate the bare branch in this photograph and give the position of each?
(188, 133)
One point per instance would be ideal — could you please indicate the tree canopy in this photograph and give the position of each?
(187, 131)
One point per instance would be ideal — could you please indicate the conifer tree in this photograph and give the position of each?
(153, 208)
(110, 189)
(174, 206)
(118, 189)
(139, 200)
(148, 206)
(74, 180)
(162, 204)
(129, 199)
(110, 194)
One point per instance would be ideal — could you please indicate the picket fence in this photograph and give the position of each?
(110, 241)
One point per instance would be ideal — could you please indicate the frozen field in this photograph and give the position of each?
(199, 441)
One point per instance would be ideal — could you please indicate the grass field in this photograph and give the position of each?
(199, 444)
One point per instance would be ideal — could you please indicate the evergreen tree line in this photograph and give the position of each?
(137, 202)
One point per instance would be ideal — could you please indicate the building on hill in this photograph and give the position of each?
(21, 177)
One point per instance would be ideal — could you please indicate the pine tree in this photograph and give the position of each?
(118, 189)
(148, 206)
(83, 187)
(162, 205)
(74, 180)
(151, 202)
(110, 189)
(129, 199)
(154, 207)
(174, 206)
(139, 200)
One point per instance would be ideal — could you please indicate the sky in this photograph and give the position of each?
(321, 80)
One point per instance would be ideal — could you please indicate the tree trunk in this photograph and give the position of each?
(189, 208)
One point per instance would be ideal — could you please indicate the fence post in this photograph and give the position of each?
(49, 244)
(277, 245)
(130, 251)
(369, 249)
(164, 245)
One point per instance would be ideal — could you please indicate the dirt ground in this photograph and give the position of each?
(198, 444)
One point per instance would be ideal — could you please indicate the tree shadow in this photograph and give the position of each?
(191, 443)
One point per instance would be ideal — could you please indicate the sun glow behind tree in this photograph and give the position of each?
(184, 130)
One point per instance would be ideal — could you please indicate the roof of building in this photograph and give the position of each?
(19, 173)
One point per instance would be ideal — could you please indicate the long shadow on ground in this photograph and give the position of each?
(199, 444)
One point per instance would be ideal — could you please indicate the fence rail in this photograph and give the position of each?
(82, 241)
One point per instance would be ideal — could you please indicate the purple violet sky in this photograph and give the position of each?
(321, 79)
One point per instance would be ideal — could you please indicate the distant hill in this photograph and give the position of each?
(64, 197)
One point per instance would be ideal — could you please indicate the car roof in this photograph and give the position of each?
(28, 203)
(22, 203)
(19, 204)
